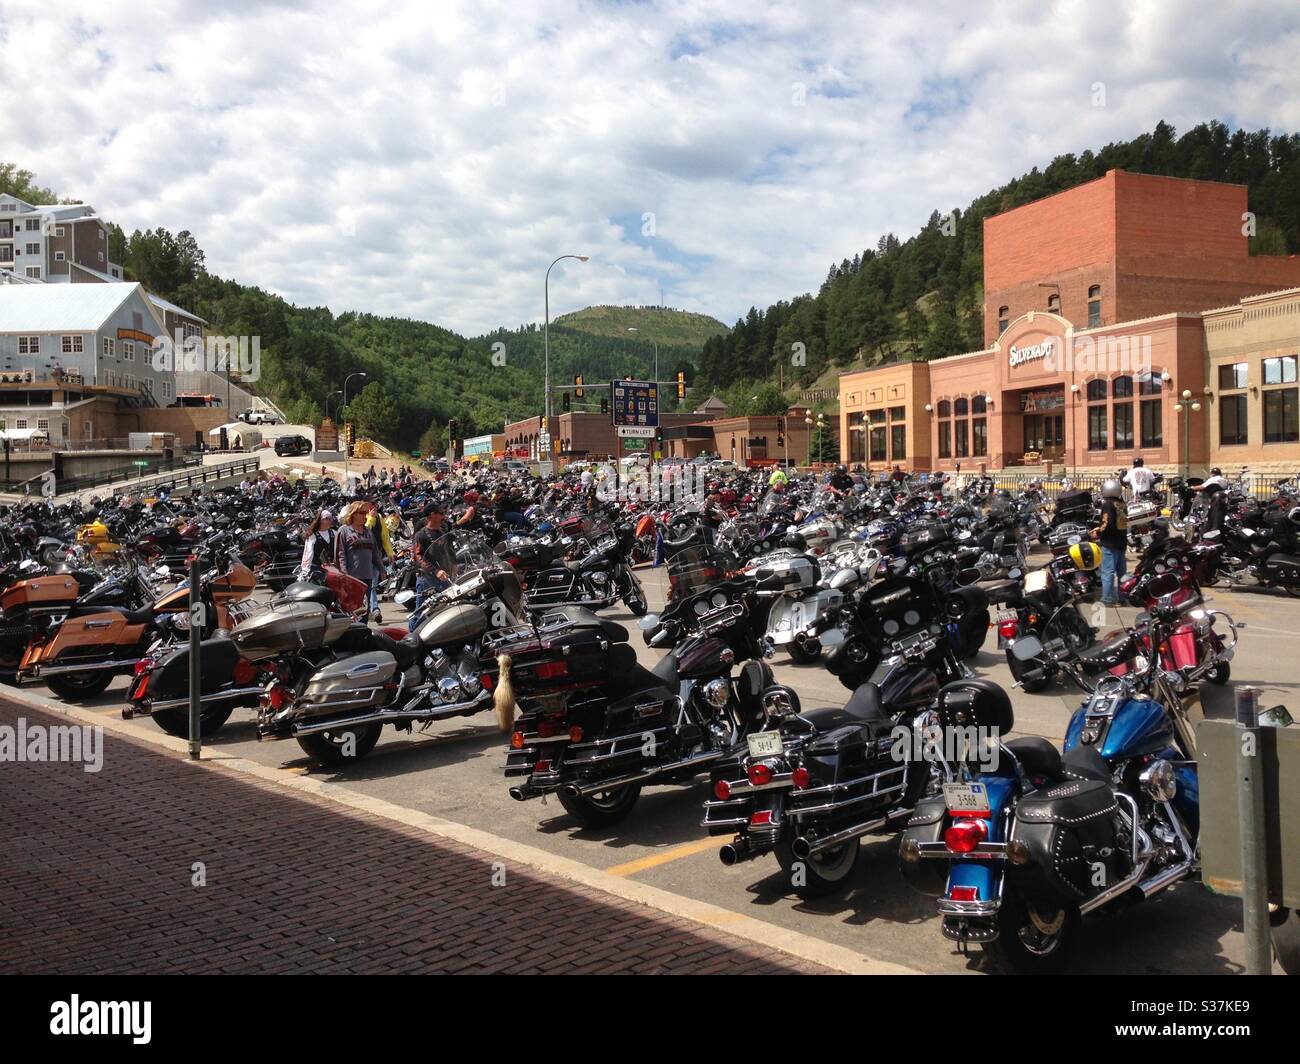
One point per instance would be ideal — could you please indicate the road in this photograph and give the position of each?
(454, 770)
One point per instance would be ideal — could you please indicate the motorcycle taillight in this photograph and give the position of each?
(1008, 629)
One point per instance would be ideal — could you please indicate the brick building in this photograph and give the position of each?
(1099, 342)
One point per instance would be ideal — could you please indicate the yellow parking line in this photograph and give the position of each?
(667, 856)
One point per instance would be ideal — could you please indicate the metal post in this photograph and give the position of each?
(1250, 809)
(196, 637)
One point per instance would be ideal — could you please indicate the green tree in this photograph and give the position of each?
(371, 411)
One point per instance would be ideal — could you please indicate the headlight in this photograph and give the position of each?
(717, 693)
(449, 689)
(1159, 781)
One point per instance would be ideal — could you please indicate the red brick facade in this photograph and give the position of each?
(1149, 245)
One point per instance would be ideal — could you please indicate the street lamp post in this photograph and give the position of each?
(343, 410)
(336, 391)
(546, 344)
(1187, 408)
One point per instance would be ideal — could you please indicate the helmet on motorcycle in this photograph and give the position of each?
(1086, 555)
(1111, 489)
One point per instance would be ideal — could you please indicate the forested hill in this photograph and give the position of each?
(921, 297)
(918, 298)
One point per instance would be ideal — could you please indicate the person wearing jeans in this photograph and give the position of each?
(433, 558)
(1112, 536)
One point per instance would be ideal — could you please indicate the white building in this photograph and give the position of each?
(51, 243)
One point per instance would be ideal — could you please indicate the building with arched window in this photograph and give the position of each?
(1100, 346)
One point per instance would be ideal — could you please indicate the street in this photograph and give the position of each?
(454, 771)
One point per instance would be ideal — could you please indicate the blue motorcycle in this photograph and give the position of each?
(1028, 839)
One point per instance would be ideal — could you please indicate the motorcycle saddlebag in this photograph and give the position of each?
(1069, 829)
(1283, 569)
(924, 875)
(217, 657)
(348, 687)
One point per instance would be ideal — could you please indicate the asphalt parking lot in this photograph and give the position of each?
(454, 771)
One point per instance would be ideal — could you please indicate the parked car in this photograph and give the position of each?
(259, 417)
(722, 465)
(291, 446)
(636, 458)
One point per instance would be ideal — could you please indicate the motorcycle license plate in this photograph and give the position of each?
(966, 798)
(764, 744)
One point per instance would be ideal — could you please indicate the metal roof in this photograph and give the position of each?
(52, 308)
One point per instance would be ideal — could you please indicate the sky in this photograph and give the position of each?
(429, 160)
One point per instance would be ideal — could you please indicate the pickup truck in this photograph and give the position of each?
(259, 417)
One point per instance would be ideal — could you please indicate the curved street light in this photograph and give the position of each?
(546, 346)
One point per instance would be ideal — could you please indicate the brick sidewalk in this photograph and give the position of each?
(96, 869)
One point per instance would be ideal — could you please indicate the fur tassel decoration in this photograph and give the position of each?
(503, 699)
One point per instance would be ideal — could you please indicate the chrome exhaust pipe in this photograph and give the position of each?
(207, 700)
(389, 716)
(39, 672)
(736, 851)
(584, 790)
(804, 847)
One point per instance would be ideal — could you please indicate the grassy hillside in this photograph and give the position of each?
(662, 325)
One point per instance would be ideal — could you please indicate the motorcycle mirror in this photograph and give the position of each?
(1014, 574)
(1275, 717)
(649, 621)
(1026, 648)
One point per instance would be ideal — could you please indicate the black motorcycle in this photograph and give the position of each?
(594, 726)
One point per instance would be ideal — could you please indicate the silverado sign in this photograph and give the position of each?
(1021, 355)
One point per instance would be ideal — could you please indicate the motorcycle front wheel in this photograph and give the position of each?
(634, 599)
(1031, 942)
(602, 808)
(822, 874)
(341, 747)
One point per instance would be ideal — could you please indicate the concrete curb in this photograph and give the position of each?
(738, 925)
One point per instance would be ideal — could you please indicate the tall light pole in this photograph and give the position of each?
(336, 391)
(546, 346)
(1187, 407)
(343, 410)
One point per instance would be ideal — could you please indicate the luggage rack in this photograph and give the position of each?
(529, 636)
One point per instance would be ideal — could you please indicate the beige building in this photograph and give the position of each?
(883, 417)
(1253, 409)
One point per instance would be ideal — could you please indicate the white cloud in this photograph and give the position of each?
(430, 159)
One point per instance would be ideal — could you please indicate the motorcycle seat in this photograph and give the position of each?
(666, 670)
(863, 707)
(1084, 763)
(406, 650)
(1039, 758)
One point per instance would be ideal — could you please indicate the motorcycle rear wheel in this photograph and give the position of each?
(329, 748)
(603, 808)
(1023, 946)
(177, 721)
(78, 686)
(821, 875)
(804, 653)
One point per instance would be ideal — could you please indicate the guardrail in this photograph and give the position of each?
(198, 477)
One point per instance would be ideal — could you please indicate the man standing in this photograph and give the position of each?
(1112, 536)
(1139, 478)
(431, 549)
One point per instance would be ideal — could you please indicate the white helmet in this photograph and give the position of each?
(1111, 489)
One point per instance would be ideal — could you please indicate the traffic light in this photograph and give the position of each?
(681, 384)
(577, 387)
(452, 429)
(565, 402)
(604, 404)
(542, 421)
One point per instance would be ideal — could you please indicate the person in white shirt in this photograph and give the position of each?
(1139, 478)
(1216, 479)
